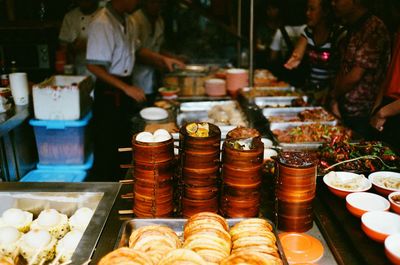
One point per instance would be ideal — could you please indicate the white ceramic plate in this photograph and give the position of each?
(154, 114)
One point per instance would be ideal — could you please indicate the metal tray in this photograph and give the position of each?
(292, 112)
(198, 111)
(294, 146)
(177, 225)
(203, 105)
(270, 88)
(265, 102)
(66, 198)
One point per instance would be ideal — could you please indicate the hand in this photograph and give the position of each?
(293, 62)
(335, 109)
(377, 121)
(135, 93)
(79, 44)
(171, 63)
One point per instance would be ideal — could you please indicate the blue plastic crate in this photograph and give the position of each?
(62, 141)
(62, 167)
(48, 175)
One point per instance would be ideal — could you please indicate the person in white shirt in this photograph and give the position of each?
(111, 49)
(150, 28)
(73, 33)
(279, 46)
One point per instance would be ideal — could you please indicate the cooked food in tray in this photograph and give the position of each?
(311, 133)
(365, 156)
(270, 92)
(227, 114)
(218, 113)
(52, 237)
(207, 239)
(306, 115)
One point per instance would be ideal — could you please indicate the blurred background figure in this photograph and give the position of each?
(284, 40)
(364, 57)
(318, 47)
(73, 34)
(150, 32)
(386, 118)
(268, 23)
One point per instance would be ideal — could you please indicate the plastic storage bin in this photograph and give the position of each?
(62, 97)
(62, 142)
(62, 167)
(49, 175)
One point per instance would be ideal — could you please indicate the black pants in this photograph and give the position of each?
(112, 111)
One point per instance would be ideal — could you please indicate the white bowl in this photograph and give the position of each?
(268, 153)
(338, 180)
(378, 225)
(382, 187)
(359, 203)
(267, 142)
(392, 248)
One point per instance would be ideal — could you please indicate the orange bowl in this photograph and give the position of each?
(385, 182)
(392, 248)
(378, 225)
(168, 92)
(343, 183)
(359, 203)
(394, 199)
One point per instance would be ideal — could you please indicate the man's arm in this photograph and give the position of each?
(149, 57)
(346, 82)
(101, 73)
(298, 54)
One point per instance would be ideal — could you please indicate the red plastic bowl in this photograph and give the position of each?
(343, 177)
(392, 248)
(395, 205)
(379, 187)
(359, 203)
(378, 225)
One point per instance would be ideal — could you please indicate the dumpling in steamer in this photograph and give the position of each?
(37, 246)
(53, 221)
(81, 218)
(9, 239)
(16, 218)
(66, 246)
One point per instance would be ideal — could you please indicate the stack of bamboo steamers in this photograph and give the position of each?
(153, 174)
(241, 173)
(199, 161)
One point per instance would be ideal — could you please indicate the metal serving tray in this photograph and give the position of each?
(66, 198)
(270, 88)
(293, 112)
(294, 146)
(203, 105)
(198, 111)
(265, 102)
(177, 225)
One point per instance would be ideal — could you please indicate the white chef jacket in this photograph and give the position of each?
(278, 41)
(143, 75)
(112, 41)
(75, 26)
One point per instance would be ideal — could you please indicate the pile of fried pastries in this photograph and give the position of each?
(207, 240)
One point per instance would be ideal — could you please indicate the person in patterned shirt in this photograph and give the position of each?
(364, 57)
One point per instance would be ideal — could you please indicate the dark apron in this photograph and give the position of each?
(112, 112)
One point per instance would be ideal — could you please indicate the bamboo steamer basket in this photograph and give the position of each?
(199, 160)
(191, 84)
(191, 207)
(201, 177)
(152, 152)
(201, 144)
(243, 158)
(200, 193)
(295, 190)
